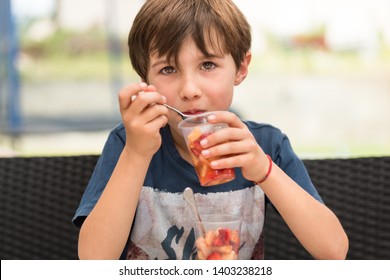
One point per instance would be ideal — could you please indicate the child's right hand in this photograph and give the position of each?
(143, 115)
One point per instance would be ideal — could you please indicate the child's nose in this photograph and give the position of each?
(190, 89)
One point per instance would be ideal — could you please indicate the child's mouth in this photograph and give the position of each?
(194, 112)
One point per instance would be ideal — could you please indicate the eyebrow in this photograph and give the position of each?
(201, 57)
(159, 62)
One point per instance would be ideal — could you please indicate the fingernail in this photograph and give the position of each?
(205, 153)
(142, 84)
(203, 142)
(211, 117)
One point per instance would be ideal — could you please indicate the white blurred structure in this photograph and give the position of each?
(348, 23)
(330, 113)
(82, 15)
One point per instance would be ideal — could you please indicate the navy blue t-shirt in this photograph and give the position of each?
(164, 226)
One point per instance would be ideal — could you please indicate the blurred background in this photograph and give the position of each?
(320, 72)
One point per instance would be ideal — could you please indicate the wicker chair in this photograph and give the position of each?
(358, 191)
(38, 197)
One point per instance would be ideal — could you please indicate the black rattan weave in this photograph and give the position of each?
(358, 191)
(38, 198)
(39, 195)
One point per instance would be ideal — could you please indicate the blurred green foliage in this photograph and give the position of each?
(84, 56)
(68, 56)
(308, 53)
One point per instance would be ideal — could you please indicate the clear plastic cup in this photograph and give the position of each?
(194, 129)
(221, 240)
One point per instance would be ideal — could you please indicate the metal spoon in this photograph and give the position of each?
(188, 195)
(182, 115)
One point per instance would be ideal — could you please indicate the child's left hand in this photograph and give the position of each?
(237, 146)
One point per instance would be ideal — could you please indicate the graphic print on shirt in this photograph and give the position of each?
(164, 226)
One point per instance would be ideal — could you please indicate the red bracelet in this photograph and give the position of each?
(268, 172)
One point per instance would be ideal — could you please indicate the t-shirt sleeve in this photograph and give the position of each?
(101, 174)
(293, 166)
(277, 145)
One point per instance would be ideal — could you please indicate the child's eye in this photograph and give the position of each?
(168, 70)
(208, 65)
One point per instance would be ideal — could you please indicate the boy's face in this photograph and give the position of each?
(197, 84)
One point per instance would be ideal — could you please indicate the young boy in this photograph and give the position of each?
(190, 55)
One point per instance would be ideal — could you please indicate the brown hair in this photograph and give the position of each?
(161, 26)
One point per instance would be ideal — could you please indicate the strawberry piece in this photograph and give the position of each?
(217, 242)
(195, 146)
(206, 174)
(214, 256)
(224, 235)
(223, 238)
(195, 150)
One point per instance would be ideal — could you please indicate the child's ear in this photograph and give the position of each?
(243, 70)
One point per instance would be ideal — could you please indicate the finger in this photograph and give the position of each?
(227, 148)
(228, 162)
(237, 160)
(158, 122)
(144, 100)
(150, 88)
(126, 94)
(227, 117)
(154, 111)
(224, 163)
(228, 134)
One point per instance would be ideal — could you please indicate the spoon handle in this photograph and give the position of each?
(183, 116)
(188, 195)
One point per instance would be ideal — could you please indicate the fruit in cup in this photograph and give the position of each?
(220, 244)
(207, 175)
